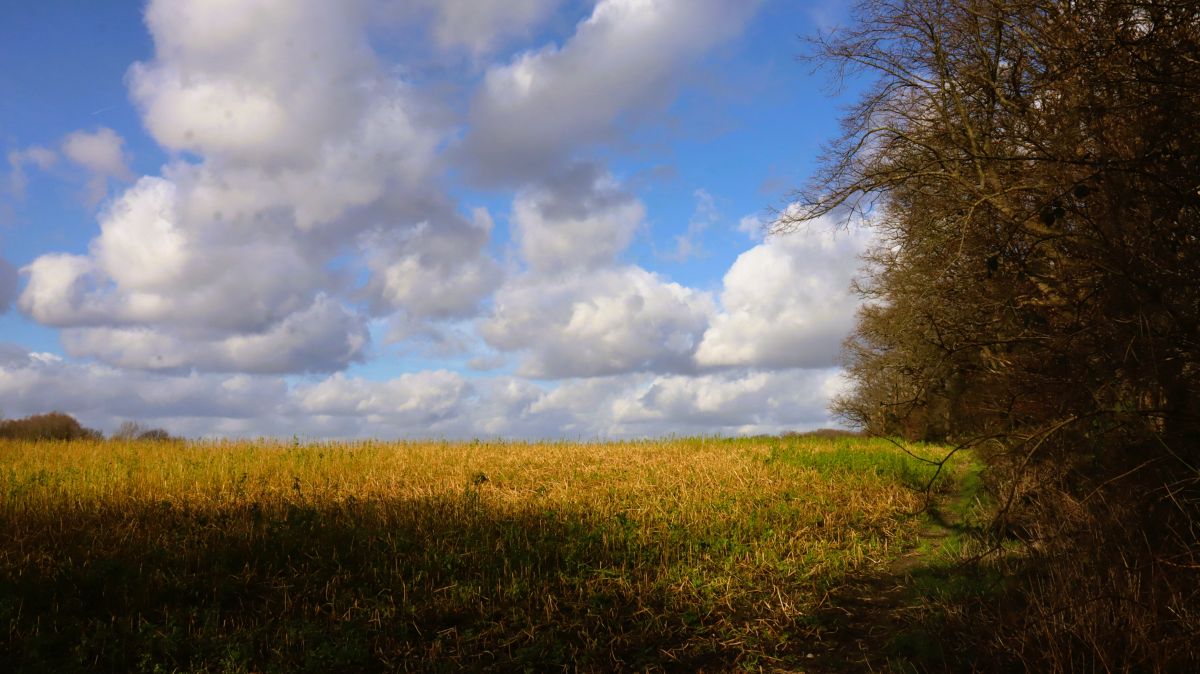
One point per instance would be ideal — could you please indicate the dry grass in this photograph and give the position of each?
(680, 554)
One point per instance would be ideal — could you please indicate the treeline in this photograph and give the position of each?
(60, 426)
(1032, 169)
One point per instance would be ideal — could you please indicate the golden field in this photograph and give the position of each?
(677, 555)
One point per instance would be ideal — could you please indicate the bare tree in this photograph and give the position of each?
(128, 430)
(132, 430)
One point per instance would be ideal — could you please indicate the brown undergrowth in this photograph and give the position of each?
(1048, 582)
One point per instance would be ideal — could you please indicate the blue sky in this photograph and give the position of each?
(446, 218)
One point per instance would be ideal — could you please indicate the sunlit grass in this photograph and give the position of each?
(270, 556)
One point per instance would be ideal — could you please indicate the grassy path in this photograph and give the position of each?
(892, 617)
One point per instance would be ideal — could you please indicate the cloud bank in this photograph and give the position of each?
(320, 208)
(435, 403)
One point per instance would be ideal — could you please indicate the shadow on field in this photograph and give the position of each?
(917, 613)
(442, 583)
(911, 621)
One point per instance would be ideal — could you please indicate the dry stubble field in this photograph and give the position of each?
(678, 555)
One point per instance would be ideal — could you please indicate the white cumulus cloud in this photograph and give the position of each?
(322, 337)
(310, 197)
(31, 383)
(425, 404)
(301, 165)
(435, 269)
(623, 59)
(598, 322)
(102, 154)
(18, 180)
(579, 219)
(478, 25)
(787, 302)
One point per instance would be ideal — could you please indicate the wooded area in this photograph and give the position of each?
(1033, 171)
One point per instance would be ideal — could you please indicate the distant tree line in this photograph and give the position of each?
(61, 426)
(132, 430)
(50, 426)
(1032, 168)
